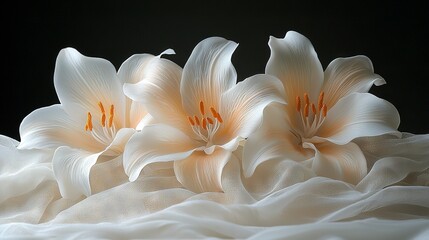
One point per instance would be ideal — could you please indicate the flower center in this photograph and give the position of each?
(204, 126)
(106, 130)
(312, 117)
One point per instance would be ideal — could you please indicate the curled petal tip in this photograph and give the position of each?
(167, 52)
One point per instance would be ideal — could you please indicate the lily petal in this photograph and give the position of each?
(51, 127)
(81, 82)
(359, 115)
(347, 75)
(138, 68)
(342, 162)
(71, 169)
(273, 140)
(137, 113)
(159, 91)
(135, 68)
(9, 142)
(294, 61)
(72, 166)
(117, 145)
(201, 172)
(232, 145)
(207, 74)
(242, 105)
(156, 143)
(131, 71)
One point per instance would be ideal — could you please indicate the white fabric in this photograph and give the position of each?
(281, 200)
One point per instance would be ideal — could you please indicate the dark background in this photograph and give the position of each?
(392, 34)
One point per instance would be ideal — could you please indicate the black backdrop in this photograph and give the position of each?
(393, 35)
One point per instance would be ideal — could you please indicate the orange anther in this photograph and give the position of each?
(100, 105)
(89, 122)
(110, 121)
(306, 110)
(204, 124)
(219, 118)
(210, 120)
(214, 113)
(313, 108)
(325, 110)
(320, 102)
(306, 98)
(202, 108)
(112, 114)
(112, 110)
(103, 120)
(298, 103)
(191, 121)
(197, 120)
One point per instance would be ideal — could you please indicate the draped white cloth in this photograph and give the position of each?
(281, 200)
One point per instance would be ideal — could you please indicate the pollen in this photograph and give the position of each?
(210, 120)
(202, 110)
(88, 125)
(320, 102)
(100, 105)
(214, 113)
(298, 103)
(205, 126)
(219, 118)
(103, 119)
(105, 131)
(306, 98)
(112, 114)
(321, 108)
(312, 115)
(325, 110)
(313, 108)
(191, 121)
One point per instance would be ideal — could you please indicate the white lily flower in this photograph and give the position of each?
(94, 118)
(326, 110)
(203, 115)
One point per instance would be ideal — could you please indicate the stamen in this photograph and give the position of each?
(191, 121)
(103, 114)
(320, 102)
(202, 108)
(197, 121)
(313, 108)
(306, 98)
(298, 103)
(219, 118)
(312, 123)
(103, 120)
(204, 124)
(306, 110)
(325, 110)
(210, 120)
(102, 134)
(100, 105)
(112, 114)
(214, 113)
(89, 121)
